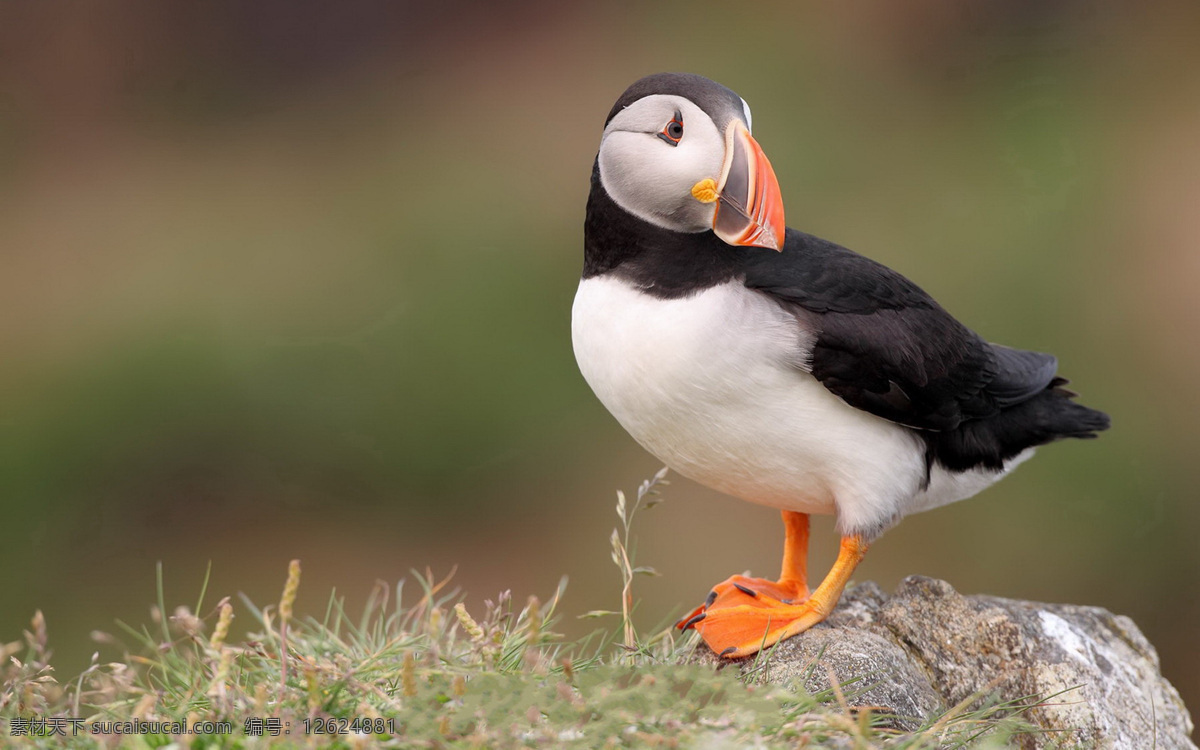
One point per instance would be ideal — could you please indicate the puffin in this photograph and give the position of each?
(778, 367)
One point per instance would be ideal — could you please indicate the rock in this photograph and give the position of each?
(928, 648)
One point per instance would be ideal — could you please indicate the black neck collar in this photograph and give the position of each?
(660, 261)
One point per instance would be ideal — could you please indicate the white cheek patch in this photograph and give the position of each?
(749, 118)
(651, 178)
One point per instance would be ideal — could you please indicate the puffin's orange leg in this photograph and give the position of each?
(795, 550)
(745, 628)
(791, 588)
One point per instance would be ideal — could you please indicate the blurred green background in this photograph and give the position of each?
(294, 280)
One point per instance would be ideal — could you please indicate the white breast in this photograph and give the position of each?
(715, 385)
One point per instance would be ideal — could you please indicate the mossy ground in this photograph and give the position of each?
(416, 669)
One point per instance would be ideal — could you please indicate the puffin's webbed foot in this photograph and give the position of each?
(743, 618)
(744, 629)
(737, 591)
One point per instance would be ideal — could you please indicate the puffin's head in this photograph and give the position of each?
(677, 152)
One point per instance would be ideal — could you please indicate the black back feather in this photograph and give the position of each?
(885, 346)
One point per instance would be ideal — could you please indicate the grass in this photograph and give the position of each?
(416, 669)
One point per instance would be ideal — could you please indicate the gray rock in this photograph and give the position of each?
(1094, 676)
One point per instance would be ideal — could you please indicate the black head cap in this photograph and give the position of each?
(721, 104)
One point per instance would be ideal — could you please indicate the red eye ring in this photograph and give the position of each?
(673, 132)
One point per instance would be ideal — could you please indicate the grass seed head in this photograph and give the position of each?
(221, 631)
(289, 593)
(468, 623)
(535, 618)
(313, 687)
(408, 674)
(216, 688)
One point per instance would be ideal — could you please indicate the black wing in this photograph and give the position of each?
(885, 346)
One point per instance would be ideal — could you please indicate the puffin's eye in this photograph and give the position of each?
(673, 132)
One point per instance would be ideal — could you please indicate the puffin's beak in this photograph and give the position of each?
(749, 204)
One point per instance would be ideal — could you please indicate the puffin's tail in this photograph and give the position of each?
(1058, 416)
(1050, 415)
